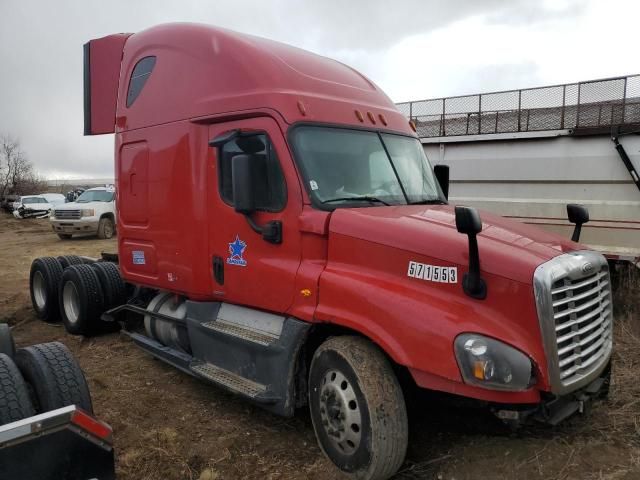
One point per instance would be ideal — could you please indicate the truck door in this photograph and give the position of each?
(249, 268)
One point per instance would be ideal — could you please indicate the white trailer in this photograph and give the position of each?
(526, 154)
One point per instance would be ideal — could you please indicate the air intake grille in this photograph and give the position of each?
(573, 298)
(582, 314)
(67, 214)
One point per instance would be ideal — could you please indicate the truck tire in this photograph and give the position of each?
(15, 402)
(81, 300)
(68, 260)
(44, 281)
(7, 345)
(64, 236)
(357, 408)
(105, 228)
(55, 377)
(113, 287)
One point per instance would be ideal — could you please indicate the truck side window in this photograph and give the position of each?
(139, 77)
(269, 186)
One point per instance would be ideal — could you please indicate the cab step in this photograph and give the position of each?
(247, 351)
(241, 332)
(233, 382)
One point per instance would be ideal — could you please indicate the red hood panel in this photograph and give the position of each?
(507, 248)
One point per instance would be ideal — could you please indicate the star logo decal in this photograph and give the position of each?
(236, 251)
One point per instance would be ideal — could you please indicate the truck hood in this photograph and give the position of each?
(507, 248)
(35, 206)
(78, 206)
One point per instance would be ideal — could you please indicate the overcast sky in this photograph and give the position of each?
(413, 49)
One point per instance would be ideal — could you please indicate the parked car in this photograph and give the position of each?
(31, 206)
(93, 212)
(54, 199)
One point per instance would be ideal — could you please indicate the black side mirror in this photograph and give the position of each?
(468, 222)
(242, 170)
(442, 175)
(579, 215)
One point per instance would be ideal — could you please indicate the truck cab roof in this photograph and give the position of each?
(199, 71)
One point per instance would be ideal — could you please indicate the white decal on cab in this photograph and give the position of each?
(432, 273)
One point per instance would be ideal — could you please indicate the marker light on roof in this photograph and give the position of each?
(302, 108)
(359, 115)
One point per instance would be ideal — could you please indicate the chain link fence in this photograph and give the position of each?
(590, 104)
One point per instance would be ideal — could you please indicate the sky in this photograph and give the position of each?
(413, 49)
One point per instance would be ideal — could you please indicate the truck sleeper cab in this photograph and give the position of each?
(289, 241)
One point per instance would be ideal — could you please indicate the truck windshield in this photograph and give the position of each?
(346, 167)
(95, 196)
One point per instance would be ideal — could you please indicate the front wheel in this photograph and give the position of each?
(105, 228)
(357, 408)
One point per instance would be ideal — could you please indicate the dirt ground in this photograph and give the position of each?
(170, 426)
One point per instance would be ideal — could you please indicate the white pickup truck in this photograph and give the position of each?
(93, 212)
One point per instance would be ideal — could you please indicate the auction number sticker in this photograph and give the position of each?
(432, 273)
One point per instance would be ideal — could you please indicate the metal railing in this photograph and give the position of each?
(590, 104)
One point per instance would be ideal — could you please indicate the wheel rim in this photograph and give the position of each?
(340, 412)
(71, 302)
(39, 290)
(108, 229)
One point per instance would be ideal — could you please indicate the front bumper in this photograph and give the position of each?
(70, 227)
(553, 409)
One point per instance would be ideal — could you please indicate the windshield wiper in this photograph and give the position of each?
(433, 201)
(361, 198)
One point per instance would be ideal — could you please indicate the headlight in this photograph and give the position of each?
(87, 212)
(492, 364)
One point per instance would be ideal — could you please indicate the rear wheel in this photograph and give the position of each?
(357, 408)
(44, 280)
(64, 236)
(81, 300)
(55, 377)
(105, 228)
(7, 345)
(68, 260)
(113, 287)
(15, 403)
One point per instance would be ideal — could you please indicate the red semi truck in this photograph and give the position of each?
(281, 234)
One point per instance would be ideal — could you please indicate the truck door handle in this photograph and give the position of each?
(218, 269)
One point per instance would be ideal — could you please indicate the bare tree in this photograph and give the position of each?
(16, 172)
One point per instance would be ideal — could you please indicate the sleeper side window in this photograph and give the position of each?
(268, 180)
(139, 77)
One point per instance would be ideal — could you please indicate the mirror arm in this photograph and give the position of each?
(271, 232)
(576, 233)
(472, 283)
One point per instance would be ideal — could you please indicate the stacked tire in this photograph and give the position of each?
(38, 379)
(77, 293)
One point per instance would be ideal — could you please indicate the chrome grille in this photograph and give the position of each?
(573, 295)
(582, 313)
(67, 214)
